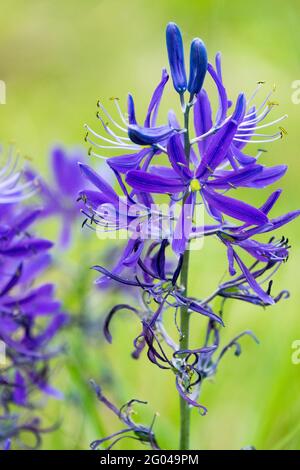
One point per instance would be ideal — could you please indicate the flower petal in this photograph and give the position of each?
(150, 183)
(234, 208)
(149, 135)
(155, 100)
(99, 182)
(184, 225)
(268, 176)
(267, 299)
(177, 157)
(202, 119)
(242, 177)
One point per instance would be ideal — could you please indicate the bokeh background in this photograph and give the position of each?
(57, 59)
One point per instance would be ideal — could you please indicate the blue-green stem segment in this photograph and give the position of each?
(184, 314)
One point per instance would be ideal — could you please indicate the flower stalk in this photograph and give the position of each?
(184, 344)
(184, 313)
(199, 173)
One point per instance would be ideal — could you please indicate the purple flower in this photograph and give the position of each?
(60, 194)
(30, 316)
(14, 185)
(133, 135)
(202, 171)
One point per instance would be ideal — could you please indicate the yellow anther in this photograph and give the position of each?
(283, 130)
(261, 82)
(195, 185)
(273, 103)
(166, 285)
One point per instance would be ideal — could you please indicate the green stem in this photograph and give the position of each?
(184, 344)
(184, 314)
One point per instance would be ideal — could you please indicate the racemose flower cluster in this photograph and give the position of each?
(30, 314)
(196, 167)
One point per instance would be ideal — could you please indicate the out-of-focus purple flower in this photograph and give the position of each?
(14, 185)
(30, 318)
(59, 195)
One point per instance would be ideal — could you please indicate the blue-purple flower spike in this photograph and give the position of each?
(201, 172)
(176, 57)
(198, 66)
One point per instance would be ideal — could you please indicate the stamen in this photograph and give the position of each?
(93, 154)
(108, 129)
(120, 112)
(104, 138)
(279, 136)
(257, 89)
(260, 107)
(116, 146)
(265, 125)
(100, 105)
(160, 147)
(259, 118)
(211, 131)
(256, 135)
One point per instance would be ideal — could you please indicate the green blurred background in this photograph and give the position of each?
(57, 59)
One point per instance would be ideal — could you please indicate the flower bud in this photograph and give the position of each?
(176, 57)
(198, 66)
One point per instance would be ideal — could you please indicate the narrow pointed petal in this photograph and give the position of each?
(197, 307)
(202, 119)
(131, 110)
(163, 171)
(284, 219)
(99, 182)
(217, 150)
(223, 100)
(155, 101)
(184, 225)
(124, 163)
(242, 158)
(177, 157)
(243, 177)
(113, 311)
(143, 181)
(240, 108)
(268, 176)
(267, 299)
(234, 208)
(149, 135)
(268, 205)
